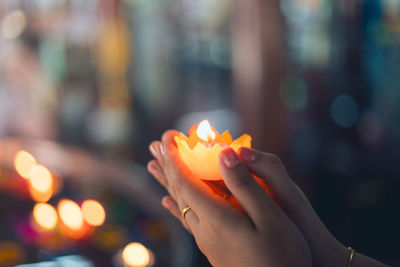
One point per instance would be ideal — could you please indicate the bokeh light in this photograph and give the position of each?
(344, 111)
(70, 214)
(93, 212)
(294, 94)
(13, 24)
(40, 196)
(23, 161)
(40, 178)
(41, 183)
(45, 216)
(135, 254)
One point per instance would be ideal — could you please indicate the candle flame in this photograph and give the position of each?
(205, 132)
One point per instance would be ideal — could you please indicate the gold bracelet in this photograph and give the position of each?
(352, 251)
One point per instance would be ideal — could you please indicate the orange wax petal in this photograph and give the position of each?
(193, 139)
(182, 144)
(224, 138)
(243, 141)
(182, 136)
(203, 160)
(200, 151)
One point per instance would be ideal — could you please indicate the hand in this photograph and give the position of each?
(273, 178)
(326, 250)
(260, 235)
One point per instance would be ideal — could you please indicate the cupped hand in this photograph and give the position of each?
(259, 235)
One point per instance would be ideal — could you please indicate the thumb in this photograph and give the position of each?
(270, 169)
(246, 190)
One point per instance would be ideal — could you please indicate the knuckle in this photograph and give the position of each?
(235, 222)
(274, 159)
(241, 181)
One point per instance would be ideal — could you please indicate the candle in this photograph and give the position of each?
(200, 150)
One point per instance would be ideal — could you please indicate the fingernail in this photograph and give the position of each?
(154, 149)
(163, 150)
(153, 168)
(230, 158)
(248, 155)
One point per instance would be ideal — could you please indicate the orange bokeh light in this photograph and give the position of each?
(45, 216)
(40, 178)
(135, 254)
(23, 162)
(40, 183)
(70, 214)
(93, 212)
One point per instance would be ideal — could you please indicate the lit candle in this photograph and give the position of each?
(201, 149)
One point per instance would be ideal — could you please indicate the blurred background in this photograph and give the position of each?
(85, 86)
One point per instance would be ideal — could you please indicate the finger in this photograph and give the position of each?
(155, 149)
(169, 203)
(190, 219)
(194, 192)
(155, 169)
(241, 183)
(169, 137)
(269, 167)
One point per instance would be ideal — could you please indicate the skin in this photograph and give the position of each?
(274, 227)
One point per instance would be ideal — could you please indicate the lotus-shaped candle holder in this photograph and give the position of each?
(200, 150)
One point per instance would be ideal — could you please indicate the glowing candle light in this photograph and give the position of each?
(45, 216)
(70, 214)
(93, 212)
(200, 150)
(135, 255)
(205, 132)
(23, 161)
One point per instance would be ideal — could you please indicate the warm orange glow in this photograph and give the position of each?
(40, 196)
(40, 178)
(41, 183)
(45, 216)
(205, 132)
(202, 158)
(70, 214)
(93, 212)
(23, 161)
(135, 254)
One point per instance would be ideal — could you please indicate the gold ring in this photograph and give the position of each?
(185, 210)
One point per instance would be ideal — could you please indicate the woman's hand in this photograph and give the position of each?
(266, 232)
(260, 235)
